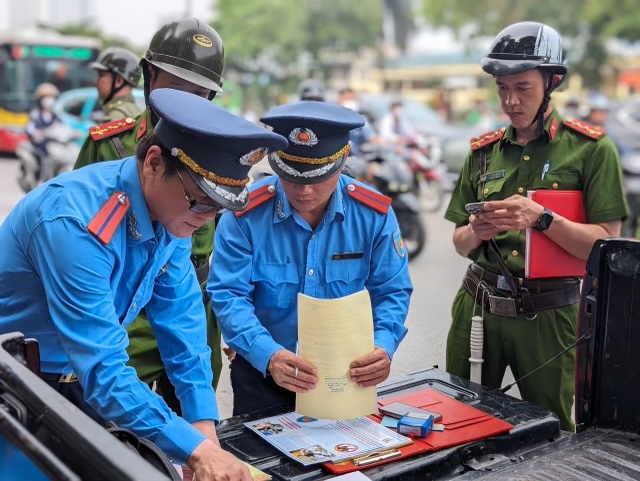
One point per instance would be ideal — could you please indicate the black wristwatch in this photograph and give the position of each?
(544, 221)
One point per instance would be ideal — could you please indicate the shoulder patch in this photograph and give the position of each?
(258, 197)
(106, 221)
(585, 128)
(487, 139)
(376, 201)
(109, 129)
(142, 128)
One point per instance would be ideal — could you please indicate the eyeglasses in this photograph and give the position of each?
(194, 205)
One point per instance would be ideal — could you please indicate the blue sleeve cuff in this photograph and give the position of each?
(261, 352)
(199, 405)
(386, 341)
(178, 439)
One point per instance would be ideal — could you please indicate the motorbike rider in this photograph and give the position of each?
(119, 73)
(41, 118)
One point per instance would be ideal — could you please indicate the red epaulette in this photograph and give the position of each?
(106, 221)
(585, 128)
(487, 139)
(375, 200)
(142, 128)
(258, 197)
(104, 131)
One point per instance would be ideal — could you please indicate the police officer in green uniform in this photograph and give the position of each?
(118, 73)
(185, 55)
(527, 321)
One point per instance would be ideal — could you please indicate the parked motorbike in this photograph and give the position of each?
(62, 152)
(383, 169)
(423, 156)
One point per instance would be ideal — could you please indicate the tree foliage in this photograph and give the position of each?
(283, 32)
(587, 24)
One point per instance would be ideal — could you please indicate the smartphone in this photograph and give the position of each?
(475, 207)
(397, 410)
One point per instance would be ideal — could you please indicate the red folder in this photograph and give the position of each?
(545, 258)
(463, 424)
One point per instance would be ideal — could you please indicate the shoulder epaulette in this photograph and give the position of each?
(142, 128)
(585, 128)
(487, 139)
(109, 129)
(258, 197)
(375, 200)
(106, 221)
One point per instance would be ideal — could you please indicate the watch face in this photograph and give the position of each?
(545, 220)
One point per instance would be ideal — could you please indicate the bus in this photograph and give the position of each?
(29, 58)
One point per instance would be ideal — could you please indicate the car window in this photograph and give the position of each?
(74, 106)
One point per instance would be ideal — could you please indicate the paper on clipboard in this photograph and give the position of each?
(332, 333)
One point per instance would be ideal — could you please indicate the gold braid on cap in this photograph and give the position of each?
(313, 161)
(189, 162)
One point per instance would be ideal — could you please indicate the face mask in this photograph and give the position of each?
(47, 102)
(351, 104)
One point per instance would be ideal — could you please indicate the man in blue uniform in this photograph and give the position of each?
(311, 230)
(86, 251)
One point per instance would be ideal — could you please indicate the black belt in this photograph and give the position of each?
(61, 378)
(531, 298)
(537, 285)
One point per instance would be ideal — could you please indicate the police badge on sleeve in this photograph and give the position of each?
(398, 243)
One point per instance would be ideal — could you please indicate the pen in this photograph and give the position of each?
(545, 169)
(376, 457)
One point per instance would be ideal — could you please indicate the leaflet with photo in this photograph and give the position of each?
(311, 441)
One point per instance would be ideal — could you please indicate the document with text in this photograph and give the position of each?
(332, 333)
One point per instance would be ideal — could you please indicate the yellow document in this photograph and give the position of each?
(332, 333)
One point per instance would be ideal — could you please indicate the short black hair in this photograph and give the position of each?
(151, 140)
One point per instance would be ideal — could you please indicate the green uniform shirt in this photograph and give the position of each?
(576, 162)
(120, 108)
(105, 149)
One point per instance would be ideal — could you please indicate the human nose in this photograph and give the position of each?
(511, 99)
(304, 188)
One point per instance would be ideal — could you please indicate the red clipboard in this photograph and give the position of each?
(543, 257)
(463, 424)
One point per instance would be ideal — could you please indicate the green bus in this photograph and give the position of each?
(29, 58)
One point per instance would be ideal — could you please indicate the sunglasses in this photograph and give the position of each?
(194, 205)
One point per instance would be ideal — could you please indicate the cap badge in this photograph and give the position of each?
(255, 156)
(302, 136)
(202, 40)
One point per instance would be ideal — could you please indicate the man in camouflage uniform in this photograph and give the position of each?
(119, 73)
(528, 321)
(185, 55)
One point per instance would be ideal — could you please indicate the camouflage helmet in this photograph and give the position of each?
(189, 49)
(121, 62)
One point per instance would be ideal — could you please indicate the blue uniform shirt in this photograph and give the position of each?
(76, 295)
(266, 256)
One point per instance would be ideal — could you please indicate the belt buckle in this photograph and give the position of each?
(66, 378)
(503, 306)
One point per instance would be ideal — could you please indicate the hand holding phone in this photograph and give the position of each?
(475, 208)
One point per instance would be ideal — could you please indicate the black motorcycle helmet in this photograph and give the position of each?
(526, 46)
(189, 49)
(311, 89)
(120, 62)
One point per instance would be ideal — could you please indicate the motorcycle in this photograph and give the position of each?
(62, 152)
(383, 169)
(423, 156)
